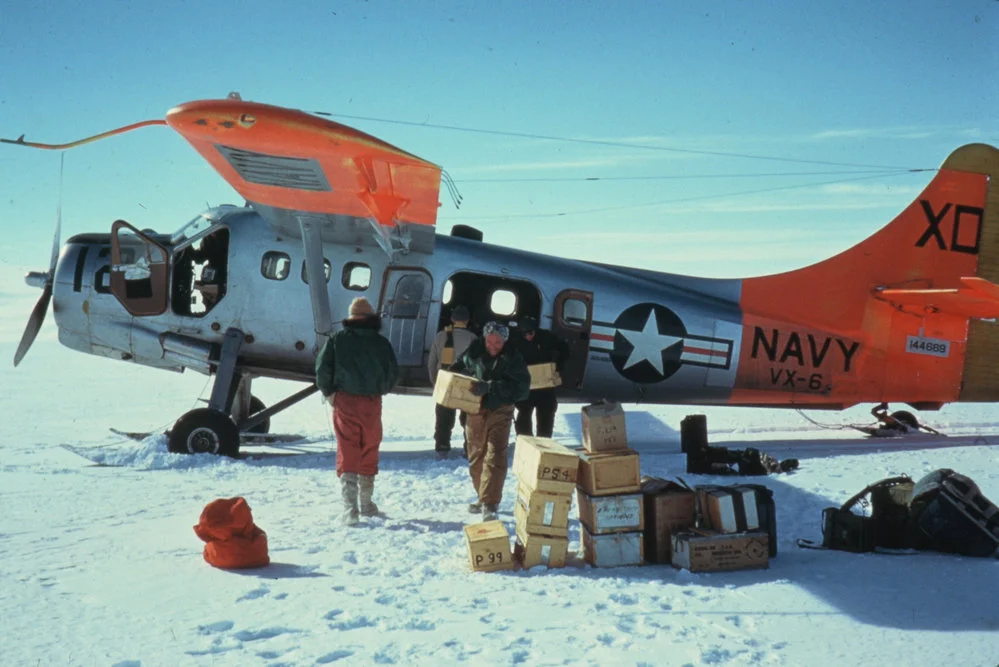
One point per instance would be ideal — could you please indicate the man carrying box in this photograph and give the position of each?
(539, 346)
(450, 344)
(502, 380)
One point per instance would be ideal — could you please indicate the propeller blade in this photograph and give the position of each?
(58, 229)
(34, 323)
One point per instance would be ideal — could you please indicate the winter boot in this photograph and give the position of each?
(366, 485)
(349, 490)
(490, 512)
(475, 508)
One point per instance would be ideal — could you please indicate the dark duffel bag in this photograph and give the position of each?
(953, 516)
(888, 527)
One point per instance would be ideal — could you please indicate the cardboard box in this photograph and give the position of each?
(544, 465)
(488, 546)
(614, 550)
(544, 376)
(609, 473)
(728, 509)
(611, 514)
(704, 551)
(454, 391)
(603, 428)
(542, 512)
(669, 508)
(531, 550)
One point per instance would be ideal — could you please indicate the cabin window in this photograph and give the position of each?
(356, 276)
(503, 303)
(448, 292)
(574, 313)
(275, 265)
(327, 269)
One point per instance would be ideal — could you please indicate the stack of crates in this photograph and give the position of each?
(609, 490)
(546, 476)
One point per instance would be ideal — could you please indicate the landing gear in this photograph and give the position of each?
(231, 410)
(204, 431)
(256, 405)
(906, 418)
(895, 424)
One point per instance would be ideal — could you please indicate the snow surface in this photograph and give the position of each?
(99, 565)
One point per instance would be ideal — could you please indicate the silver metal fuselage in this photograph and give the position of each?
(276, 315)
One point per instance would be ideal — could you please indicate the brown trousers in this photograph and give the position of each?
(488, 434)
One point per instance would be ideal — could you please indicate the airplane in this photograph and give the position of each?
(905, 316)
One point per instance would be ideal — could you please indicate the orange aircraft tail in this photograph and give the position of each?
(901, 316)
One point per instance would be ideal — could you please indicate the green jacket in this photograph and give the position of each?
(507, 375)
(357, 360)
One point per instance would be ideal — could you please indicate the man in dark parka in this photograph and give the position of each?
(503, 380)
(355, 368)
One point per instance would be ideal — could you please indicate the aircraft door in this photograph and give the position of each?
(405, 305)
(571, 321)
(140, 270)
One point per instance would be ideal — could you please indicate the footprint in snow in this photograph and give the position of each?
(254, 594)
(217, 626)
(339, 654)
(257, 635)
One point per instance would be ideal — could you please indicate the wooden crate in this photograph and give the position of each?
(544, 465)
(669, 509)
(604, 428)
(728, 509)
(454, 391)
(609, 473)
(530, 550)
(614, 550)
(544, 376)
(704, 551)
(542, 512)
(488, 546)
(623, 513)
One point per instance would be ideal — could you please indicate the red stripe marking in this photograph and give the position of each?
(602, 337)
(701, 350)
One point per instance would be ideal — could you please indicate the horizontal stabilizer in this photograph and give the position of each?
(976, 297)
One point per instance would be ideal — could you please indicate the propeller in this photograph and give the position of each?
(34, 278)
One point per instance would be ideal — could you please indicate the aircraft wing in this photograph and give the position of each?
(291, 165)
(976, 297)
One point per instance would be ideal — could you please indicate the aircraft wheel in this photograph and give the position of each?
(907, 418)
(256, 405)
(204, 431)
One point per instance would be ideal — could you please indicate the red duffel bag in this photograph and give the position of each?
(232, 539)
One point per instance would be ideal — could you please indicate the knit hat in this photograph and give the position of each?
(360, 308)
(527, 324)
(496, 329)
(460, 314)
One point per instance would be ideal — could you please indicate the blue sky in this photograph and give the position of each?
(884, 84)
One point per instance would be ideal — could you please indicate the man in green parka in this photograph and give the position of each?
(503, 379)
(355, 368)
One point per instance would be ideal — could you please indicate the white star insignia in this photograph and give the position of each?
(648, 344)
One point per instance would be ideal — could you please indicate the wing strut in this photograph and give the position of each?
(312, 241)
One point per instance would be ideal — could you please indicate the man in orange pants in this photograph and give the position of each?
(355, 368)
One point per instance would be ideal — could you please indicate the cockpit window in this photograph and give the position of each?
(200, 273)
(200, 223)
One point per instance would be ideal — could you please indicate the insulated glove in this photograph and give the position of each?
(480, 389)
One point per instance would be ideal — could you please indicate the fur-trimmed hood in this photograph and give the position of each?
(370, 322)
